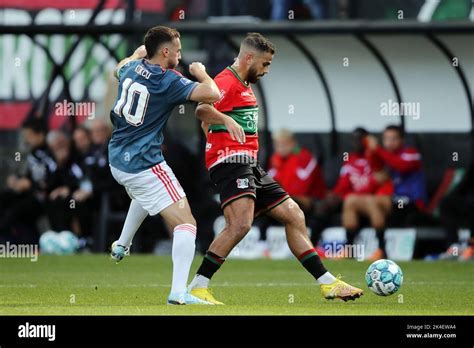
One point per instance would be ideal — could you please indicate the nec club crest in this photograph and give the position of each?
(221, 94)
(242, 183)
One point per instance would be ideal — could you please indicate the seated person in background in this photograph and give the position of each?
(364, 192)
(101, 132)
(91, 153)
(456, 211)
(21, 202)
(297, 170)
(66, 186)
(98, 162)
(404, 165)
(83, 156)
(82, 144)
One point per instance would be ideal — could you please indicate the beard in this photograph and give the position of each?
(252, 76)
(172, 64)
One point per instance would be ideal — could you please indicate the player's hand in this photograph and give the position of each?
(140, 52)
(236, 132)
(198, 70)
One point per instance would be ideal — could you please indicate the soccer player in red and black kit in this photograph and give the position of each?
(245, 189)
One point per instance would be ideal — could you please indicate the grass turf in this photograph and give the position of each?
(139, 285)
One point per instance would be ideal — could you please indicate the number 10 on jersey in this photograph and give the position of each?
(132, 94)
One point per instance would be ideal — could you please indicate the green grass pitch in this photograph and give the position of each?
(139, 285)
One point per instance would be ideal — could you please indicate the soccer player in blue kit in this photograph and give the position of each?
(148, 91)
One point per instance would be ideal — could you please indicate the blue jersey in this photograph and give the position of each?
(146, 96)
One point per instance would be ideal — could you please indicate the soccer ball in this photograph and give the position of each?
(384, 277)
(61, 243)
(49, 243)
(68, 242)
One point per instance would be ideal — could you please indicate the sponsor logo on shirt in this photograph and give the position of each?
(185, 81)
(222, 94)
(242, 183)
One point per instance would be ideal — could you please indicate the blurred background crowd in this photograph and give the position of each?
(67, 183)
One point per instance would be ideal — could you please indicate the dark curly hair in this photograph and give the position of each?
(259, 43)
(157, 36)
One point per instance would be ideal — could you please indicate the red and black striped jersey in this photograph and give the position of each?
(238, 101)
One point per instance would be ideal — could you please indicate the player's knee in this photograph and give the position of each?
(185, 220)
(350, 224)
(297, 216)
(351, 201)
(240, 227)
(378, 223)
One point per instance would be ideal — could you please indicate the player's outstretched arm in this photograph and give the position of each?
(206, 91)
(139, 53)
(209, 115)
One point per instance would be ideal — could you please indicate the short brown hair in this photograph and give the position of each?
(259, 42)
(157, 36)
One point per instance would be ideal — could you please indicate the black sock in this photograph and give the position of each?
(311, 261)
(381, 238)
(350, 235)
(210, 264)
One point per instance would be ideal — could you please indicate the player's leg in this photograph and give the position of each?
(174, 208)
(291, 216)
(273, 201)
(376, 208)
(239, 216)
(380, 208)
(135, 216)
(179, 218)
(350, 216)
(235, 183)
(157, 191)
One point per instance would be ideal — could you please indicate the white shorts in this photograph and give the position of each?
(155, 188)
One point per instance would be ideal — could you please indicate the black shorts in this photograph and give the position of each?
(236, 180)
